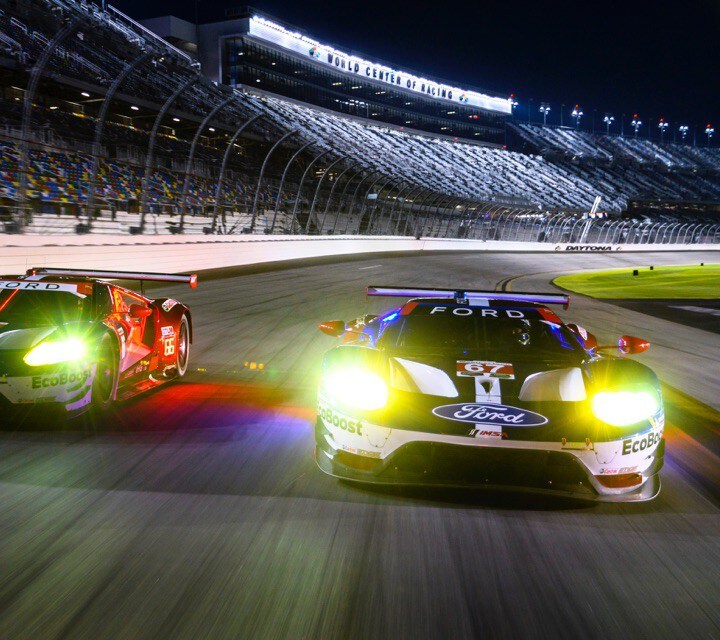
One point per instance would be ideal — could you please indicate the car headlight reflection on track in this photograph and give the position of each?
(56, 351)
(623, 408)
(357, 388)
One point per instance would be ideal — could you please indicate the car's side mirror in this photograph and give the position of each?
(140, 311)
(334, 328)
(631, 344)
(589, 341)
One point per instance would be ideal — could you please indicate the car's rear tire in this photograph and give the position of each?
(183, 348)
(105, 380)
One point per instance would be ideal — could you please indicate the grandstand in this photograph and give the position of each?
(637, 168)
(106, 127)
(255, 50)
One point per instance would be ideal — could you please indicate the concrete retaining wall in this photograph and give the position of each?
(173, 254)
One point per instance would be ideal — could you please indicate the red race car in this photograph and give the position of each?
(73, 340)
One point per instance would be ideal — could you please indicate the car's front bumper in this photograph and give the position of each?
(585, 470)
(65, 388)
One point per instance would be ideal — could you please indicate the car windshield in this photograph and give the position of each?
(510, 333)
(41, 308)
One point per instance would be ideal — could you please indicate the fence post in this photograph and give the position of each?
(282, 181)
(99, 124)
(226, 155)
(191, 155)
(151, 147)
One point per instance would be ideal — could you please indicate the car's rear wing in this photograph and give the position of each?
(467, 294)
(189, 278)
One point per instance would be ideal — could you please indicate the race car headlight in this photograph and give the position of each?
(623, 408)
(54, 352)
(357, 388)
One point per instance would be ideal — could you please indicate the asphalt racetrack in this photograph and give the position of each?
(197, 511)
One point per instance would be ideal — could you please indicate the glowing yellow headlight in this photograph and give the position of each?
(357, 388)
(622, 408)
(55, 352)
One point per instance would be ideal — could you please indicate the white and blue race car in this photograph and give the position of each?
(488, 389)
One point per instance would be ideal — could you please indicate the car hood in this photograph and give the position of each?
(468, 377)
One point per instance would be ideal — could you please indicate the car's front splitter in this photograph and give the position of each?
(616, 471)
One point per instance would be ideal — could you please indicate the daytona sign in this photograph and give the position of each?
(587, 247)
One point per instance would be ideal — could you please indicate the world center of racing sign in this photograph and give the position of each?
(352, 65)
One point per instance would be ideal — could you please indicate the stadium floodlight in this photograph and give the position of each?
(134, 108)
(544, 109)
(577, 113)
(709, 131)
(85, 94)
(608, 120)
(636, 124)
(683, 129)
(662, 125)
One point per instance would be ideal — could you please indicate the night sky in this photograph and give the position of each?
(656, 59)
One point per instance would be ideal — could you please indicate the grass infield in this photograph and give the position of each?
(687, 281)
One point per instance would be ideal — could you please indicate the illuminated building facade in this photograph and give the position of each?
(257, 53)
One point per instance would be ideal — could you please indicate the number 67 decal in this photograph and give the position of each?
(473, 368)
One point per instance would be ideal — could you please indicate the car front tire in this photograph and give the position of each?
(106, 374)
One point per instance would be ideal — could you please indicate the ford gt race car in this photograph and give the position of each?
(488, 389)
(71, 340)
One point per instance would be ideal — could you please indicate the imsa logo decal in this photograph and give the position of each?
(486, 413)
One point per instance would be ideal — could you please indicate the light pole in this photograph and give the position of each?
(544, 109)
(709, 131)
(662, 125)
(608, 120)
(577, 113)
(636, 124)
(683, 129)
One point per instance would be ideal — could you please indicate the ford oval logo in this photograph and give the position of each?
(490, 414)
